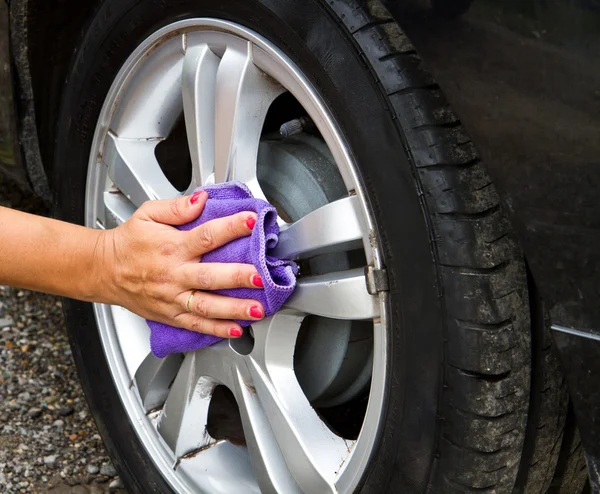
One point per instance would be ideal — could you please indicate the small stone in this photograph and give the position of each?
(50, 461)
(58, 423)
(108, 470)
(72, 437)
(92, 469)
(66, 411)
(116, 484)
(34, 412)
(101, 480)
(6, 321)
(25, 396)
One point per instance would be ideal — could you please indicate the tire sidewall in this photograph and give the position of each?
(311, 35)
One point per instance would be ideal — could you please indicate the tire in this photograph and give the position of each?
(465, 398)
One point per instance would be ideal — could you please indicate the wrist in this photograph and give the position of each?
(103, 276)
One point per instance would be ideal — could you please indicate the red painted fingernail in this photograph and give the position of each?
(235, 332)
(257, 281)
(196, 196)
(250, 222)
(256, 312)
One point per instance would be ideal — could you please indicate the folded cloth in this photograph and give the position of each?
(279, 276)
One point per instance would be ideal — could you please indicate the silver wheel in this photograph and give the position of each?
(224, 79)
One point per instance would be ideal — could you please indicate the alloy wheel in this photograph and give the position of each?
(222, 80)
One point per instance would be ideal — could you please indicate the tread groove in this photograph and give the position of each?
(505, 295)
(448, 125)
(396, 54)
(372, 24)
(461, 487)
(508, 349)
(412, 89)
(470, 449)
(498, 238)
(480, 416)
(481, 375)
(472, 216)
(450, 166)
(477, 271)
(478, 326)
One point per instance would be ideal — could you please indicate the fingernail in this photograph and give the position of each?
(196, 196)
(256, 312)
(250, 222)
(257, 281)
(235, 332)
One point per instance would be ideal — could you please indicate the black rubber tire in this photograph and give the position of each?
(460, 347)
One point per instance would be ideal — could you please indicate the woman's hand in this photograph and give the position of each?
(151, 268)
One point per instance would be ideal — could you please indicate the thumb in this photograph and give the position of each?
(176, 211)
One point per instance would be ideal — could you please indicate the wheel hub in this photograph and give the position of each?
(333, 356)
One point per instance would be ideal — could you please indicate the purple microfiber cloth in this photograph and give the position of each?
(279, 276)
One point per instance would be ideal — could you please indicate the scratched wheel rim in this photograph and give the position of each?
(185, 68)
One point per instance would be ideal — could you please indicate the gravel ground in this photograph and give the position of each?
(48, 439)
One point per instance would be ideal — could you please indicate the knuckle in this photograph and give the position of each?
(205, 278)
(152, 292)
(201, 306)
(240, 279)
(203, 326)
(167, 248)
(206, 236)
(241, 310)
(160, 277)
(197, 325)
(175, 205)
(232, 227)
(143, 211)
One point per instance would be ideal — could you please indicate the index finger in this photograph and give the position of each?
(220, 231)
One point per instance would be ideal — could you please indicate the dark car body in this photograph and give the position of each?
(523, 76)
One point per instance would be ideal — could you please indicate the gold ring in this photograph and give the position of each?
(190, 300)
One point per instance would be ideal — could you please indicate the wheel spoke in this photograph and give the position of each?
(198, 88)
(216, 362)
(117, 209)
(336, 226)
(154, 377)
(341, 295)
(268, 463)
(312, 453)
(243, 97)
(134, 334)
(182, 423)
(134, 169)
(151, 106)
(223, 467)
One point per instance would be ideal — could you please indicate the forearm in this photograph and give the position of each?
(51, 256)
